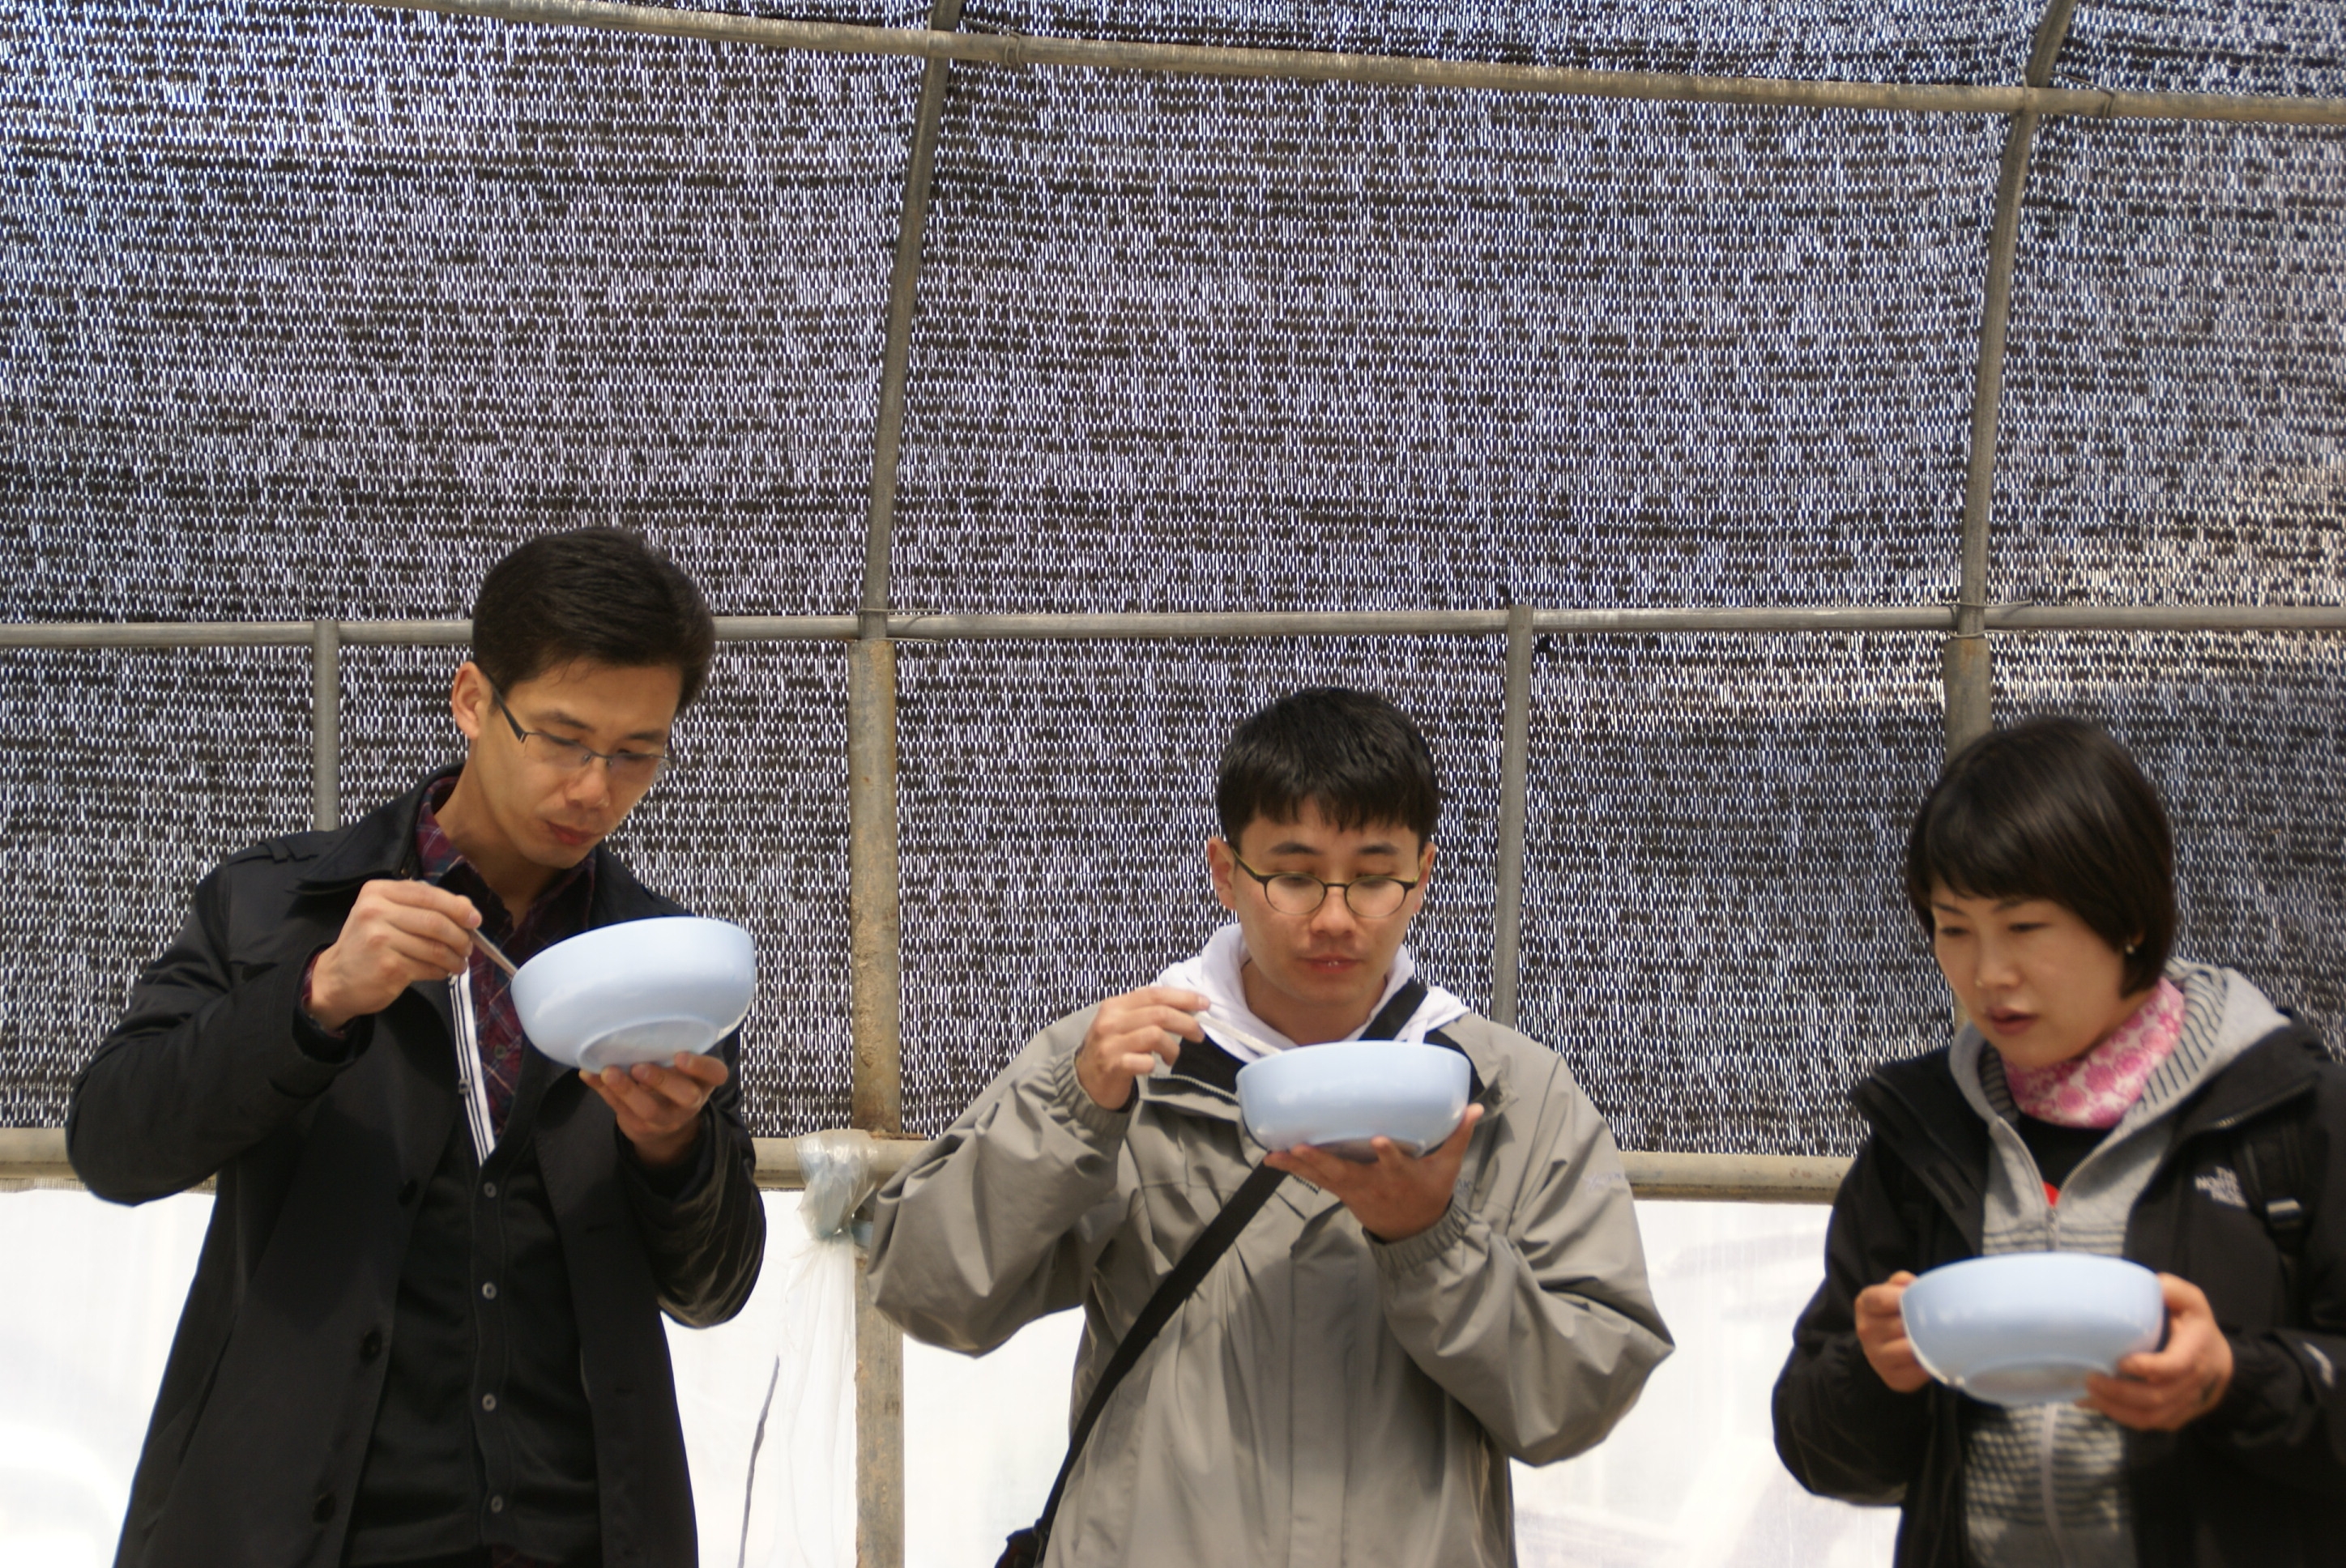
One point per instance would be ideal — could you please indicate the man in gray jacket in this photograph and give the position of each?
(1347, 1385)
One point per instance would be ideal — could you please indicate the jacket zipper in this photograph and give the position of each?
(2049, 1438)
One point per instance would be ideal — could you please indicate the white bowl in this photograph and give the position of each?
(1338, 1095)
(2025, 1327)
(640, 991)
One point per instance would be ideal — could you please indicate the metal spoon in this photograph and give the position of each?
(495, 954)
(1229, 1026)
(495, 957)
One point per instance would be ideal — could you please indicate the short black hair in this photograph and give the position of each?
(2053, 809)
(600, 594)
(1352, 754)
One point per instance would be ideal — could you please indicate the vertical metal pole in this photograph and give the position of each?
(325, 725)
(874, 899)
(879, 1429)
(1964, 659)
(1514, 802)
(876, 1096)
(903, 296)
(1965, 664)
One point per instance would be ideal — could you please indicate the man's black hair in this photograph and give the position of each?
(1354, 755)
(600, 593)
(2053, 809)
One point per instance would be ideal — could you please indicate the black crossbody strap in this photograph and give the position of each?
(1395, 1015)
(1028, 1546)
(1175, 1288)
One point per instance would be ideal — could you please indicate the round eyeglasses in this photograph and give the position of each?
(1293, 893)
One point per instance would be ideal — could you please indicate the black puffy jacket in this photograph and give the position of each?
(269, 1394)
(2259, 1482)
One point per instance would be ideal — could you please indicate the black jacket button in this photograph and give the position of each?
(406, 1192)
(323, 1509)
(371, 1346)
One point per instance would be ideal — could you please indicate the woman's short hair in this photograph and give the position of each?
(1351, 753)
(600, 593)
(2053, 809)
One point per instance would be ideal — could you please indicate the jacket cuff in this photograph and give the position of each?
(663, 1196)
(1869, 1398)
(335, 1047)
(2266, 1380)
(1097, 1126)
(1398, 1259)
(315, 1058)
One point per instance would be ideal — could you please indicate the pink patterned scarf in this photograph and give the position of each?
(2097, 1089)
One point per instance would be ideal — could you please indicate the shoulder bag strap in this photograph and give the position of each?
(1171, 1292)
(1177, 1287)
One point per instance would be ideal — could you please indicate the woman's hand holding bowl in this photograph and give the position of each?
(2163, 1389)
(1882, 1334)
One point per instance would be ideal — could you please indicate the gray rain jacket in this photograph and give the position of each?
(1322, 1399)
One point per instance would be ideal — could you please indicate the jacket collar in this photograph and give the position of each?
(381, 845)
(2264, 1076)
(1917, 1109)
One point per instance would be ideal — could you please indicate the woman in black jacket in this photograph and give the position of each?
(2102, 1099)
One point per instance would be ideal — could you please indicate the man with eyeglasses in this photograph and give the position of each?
(1348, 1384)
(425, 1327)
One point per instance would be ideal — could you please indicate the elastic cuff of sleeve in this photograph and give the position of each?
(1397, 1259)
(1097, 1124)
(677, 1184)
(330, 1048)
(2258, 1365)
(333, 1047)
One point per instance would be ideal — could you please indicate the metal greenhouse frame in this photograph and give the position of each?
(872, 633)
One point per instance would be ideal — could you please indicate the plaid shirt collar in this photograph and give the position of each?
(559, 912)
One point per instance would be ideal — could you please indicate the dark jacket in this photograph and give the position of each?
(2258, 1482)
(269, 1395)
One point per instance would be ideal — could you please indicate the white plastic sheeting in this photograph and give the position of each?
(768, 1400)
(1689, 1481)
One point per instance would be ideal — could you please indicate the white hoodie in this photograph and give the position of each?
(1214, 972)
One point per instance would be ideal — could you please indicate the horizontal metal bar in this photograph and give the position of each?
(1146, 625)
(785, 628)
(1143, 624)
(30, 1155)
(1385, 70)
(162, 634)
(1412, 623)
(2167, 618)
(1734, 1178)
(37, 1154)
(377, 634)
(1765, 620)
(408, 634)
(778, 1158)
